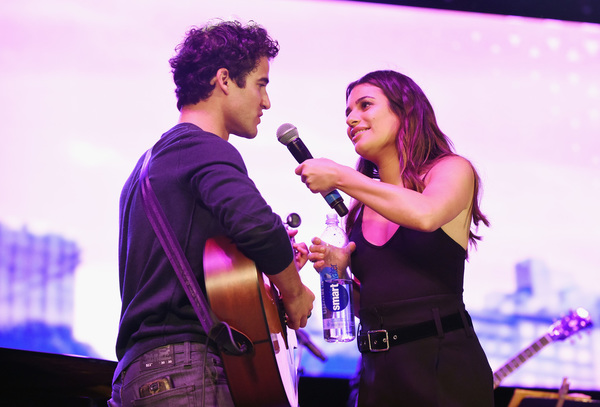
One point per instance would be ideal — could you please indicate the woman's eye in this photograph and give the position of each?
(365, 104)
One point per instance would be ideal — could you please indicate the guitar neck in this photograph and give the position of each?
(521, 358)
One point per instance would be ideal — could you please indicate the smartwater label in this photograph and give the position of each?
(330, 273)
(336, 296)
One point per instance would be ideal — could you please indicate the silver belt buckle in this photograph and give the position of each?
(385, 340)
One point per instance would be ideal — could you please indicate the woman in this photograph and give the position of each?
(410, 223)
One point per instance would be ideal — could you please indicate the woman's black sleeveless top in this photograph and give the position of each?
(412, 267)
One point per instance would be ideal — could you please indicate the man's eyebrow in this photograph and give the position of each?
(264, 80)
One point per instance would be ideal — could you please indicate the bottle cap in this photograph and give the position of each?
(331, 218)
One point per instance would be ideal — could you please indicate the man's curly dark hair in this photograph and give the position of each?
(205, 50)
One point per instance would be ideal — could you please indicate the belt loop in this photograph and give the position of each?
(466, 319)
(379, 317)
(187, 353)
(438, 322)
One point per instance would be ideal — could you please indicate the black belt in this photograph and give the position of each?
(380, 340)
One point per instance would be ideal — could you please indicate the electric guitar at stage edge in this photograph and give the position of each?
(570, 324)
(242, 296)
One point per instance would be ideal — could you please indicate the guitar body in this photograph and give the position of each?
(242, 296)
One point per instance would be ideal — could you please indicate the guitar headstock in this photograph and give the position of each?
(570, 324)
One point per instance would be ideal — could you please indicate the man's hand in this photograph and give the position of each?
(297, 298)
(300, 250)
(299, 308)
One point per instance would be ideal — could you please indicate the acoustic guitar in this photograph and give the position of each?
(242, 296)
(570, 324)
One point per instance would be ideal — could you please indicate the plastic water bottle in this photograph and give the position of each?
(336, 287)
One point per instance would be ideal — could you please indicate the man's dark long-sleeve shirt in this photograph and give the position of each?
(203, 187)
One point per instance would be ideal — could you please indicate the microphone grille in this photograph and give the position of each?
(286, 133)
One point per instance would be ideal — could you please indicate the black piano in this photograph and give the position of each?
(39, 379)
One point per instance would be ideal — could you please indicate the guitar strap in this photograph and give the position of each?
(227, 339)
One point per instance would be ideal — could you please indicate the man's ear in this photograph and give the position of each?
(223, 80)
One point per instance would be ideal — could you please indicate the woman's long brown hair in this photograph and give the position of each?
(421, 143)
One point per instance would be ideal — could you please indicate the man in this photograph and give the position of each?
(221, 72)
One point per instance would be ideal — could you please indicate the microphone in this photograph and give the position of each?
(304, 339)
(287, 134)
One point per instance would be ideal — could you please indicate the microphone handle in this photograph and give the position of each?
(335, 201)
(299, 150)
(333, 198)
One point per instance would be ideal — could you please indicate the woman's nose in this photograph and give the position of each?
(351, 120)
